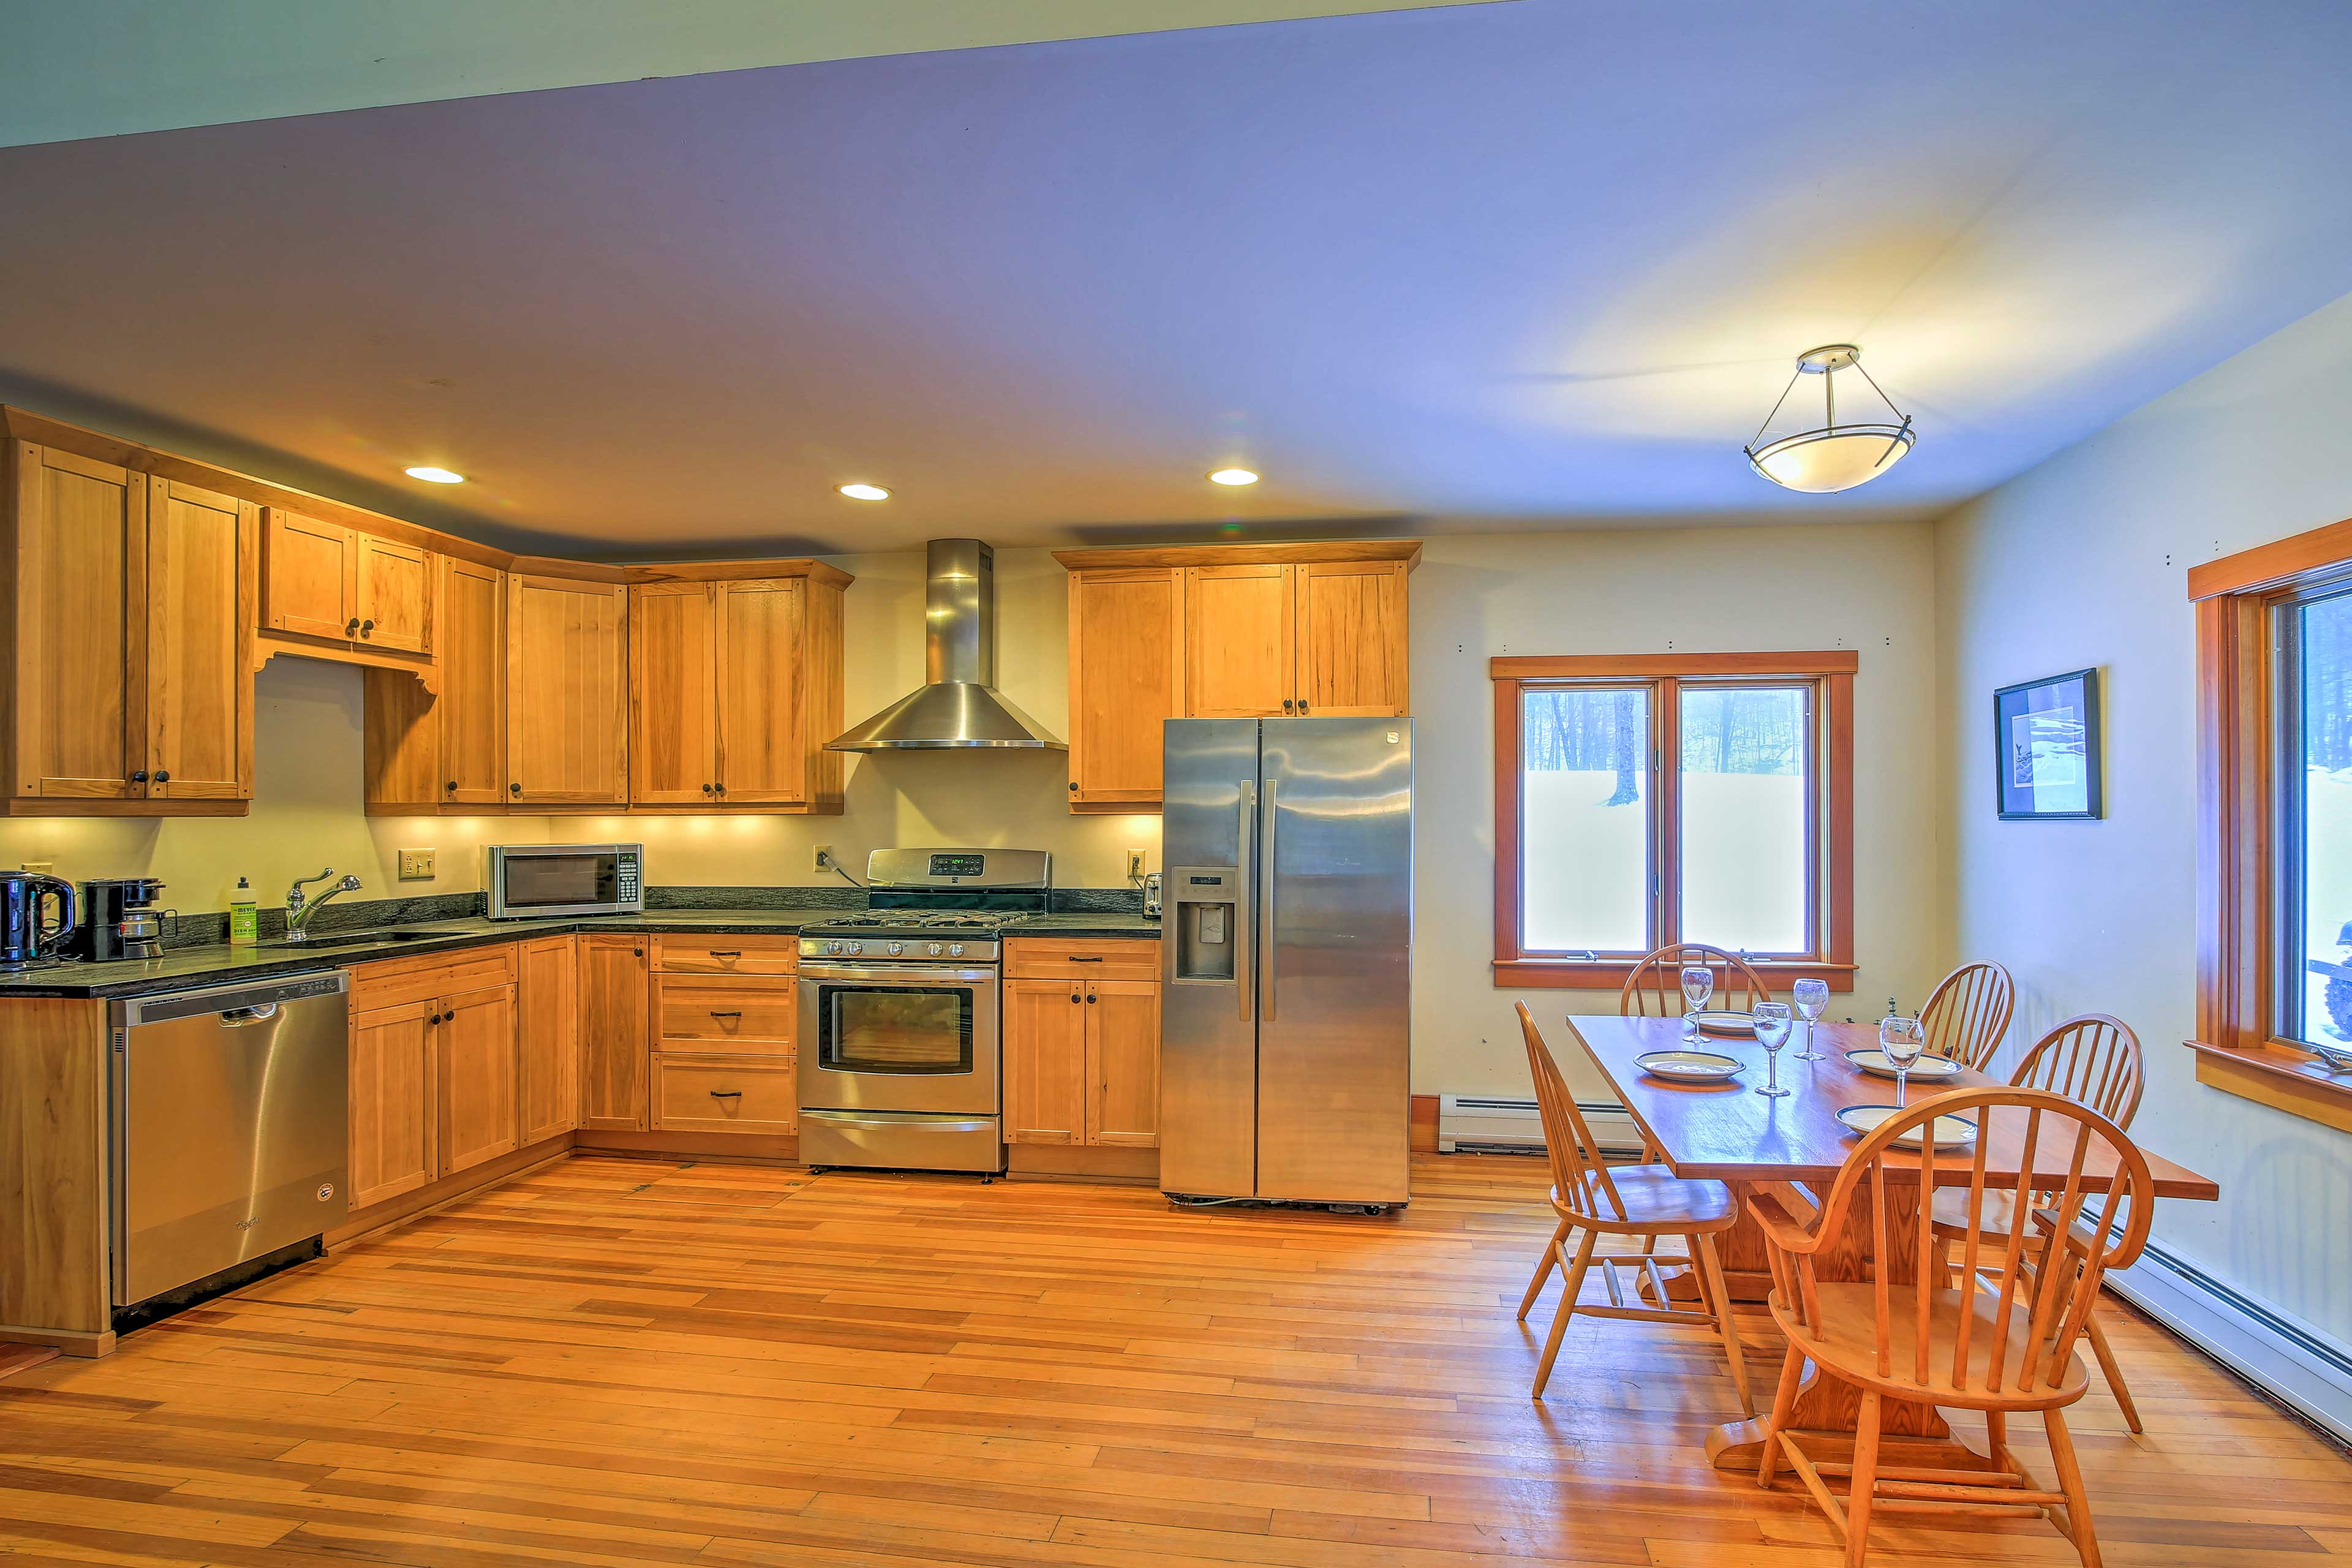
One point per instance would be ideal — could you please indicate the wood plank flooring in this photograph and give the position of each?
(616, 1361)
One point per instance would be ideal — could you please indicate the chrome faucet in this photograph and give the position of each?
(298, 909)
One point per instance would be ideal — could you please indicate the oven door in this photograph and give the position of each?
(899, 1036)
(564, 880)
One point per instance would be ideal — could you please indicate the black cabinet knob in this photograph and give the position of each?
(1090, 998)
(450, 785)
(351, 628)
(139, 777)
(514, 789)
(706, 789)
(162, 776)
(1073, 997)
(1074, 786)
(366, 627)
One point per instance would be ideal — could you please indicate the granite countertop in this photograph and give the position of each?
(183, 967)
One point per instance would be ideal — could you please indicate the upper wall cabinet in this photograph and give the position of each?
(567, 691)
(1239, 631)
(130, 600)
(343, 593)
(445, 752)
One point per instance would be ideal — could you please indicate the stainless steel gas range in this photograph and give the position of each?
(901, 1061)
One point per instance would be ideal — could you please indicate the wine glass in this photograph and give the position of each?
(1902, 1039)
(1698, 985)
(1813, 999)
(1772, 1026)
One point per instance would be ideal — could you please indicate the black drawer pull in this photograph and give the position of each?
(727, 1014)
(726, 953)
(725, 1094)
(1082, 958)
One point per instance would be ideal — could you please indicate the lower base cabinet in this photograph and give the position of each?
(547, 1033)
(395, 1125)
(614, 1013)
(434, 1070)
(475, 1041)
(1082, 1054)
(725, 1094)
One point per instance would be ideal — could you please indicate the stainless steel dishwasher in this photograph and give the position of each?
(230, 1126)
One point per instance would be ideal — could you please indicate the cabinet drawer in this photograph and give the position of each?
(725, 1094)
(1081, 958)
(728, 954)
(401, 980)
(721, 1014)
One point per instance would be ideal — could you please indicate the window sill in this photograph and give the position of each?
(2281, 1076)
(1611, 974)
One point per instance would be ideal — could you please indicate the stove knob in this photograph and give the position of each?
(896, 948)
(955, 950)
(853, 947)
(833, 947)
(935, 950)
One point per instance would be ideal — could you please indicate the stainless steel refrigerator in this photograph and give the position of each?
(1286, 1014)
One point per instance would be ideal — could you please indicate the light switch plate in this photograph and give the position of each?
(417, 865)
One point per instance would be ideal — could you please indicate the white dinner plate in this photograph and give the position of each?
(1951, 1131)
(1690, 1066)
(1873, 1061)
(1721, 1021)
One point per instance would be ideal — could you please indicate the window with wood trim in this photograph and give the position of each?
(2274, 822)
(1643, 800)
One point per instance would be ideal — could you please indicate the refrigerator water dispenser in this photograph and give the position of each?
(1208, 906)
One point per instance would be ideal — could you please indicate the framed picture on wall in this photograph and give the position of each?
(2046, 748)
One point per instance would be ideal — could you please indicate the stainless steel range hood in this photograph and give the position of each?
(959, 705)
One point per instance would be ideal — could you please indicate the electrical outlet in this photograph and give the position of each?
(824, 857)
(417, 865)
(1134, 864)
(41, 867)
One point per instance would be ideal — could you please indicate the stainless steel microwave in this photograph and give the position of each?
(529, 879)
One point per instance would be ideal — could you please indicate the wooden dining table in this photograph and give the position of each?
(1793, 1148)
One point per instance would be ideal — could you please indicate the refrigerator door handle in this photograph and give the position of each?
(1244, 931)
(1265, 932)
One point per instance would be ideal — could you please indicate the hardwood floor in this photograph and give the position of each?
(614, 1361)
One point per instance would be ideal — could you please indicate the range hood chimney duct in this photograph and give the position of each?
(959, 705)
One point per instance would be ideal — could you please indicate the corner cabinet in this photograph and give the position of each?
(1239, 631)
(128, 599)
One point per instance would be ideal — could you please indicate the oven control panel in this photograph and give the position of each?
(901, 948)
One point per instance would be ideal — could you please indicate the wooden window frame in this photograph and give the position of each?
(2238, 1046)
(1829, 672)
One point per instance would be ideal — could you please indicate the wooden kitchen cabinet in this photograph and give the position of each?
(357, 591)
(394, 1102)
(1127, 678)
(1225, 631)
(129, 690)
(476, 1046)
(547, 1035)
(673, 700)
(1082, 1051)
(445, 751)
(615, 1045)
(567, 691)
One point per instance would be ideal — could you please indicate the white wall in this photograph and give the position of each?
(1651, 591)
(2082, 562)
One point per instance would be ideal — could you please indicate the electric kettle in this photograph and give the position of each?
(23, 937)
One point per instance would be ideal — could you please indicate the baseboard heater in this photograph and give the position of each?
(1493, 1124)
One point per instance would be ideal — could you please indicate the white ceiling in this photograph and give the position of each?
(1537, 264)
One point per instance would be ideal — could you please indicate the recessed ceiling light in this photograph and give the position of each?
(432, 476)
(864, 492)
(1233, 476)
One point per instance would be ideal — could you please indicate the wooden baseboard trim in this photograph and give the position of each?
(448, 1190)
(1422, 1137)
(65, 1341)
(1056, 1162)
(747, 1148)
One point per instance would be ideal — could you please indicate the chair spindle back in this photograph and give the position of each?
(2090, 1058)
(1581, 1180)
(1967, 1016)
(1659, 978)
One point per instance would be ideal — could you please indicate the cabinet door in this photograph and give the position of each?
(615, 1035)
(547, 1029)
(1123, 1062)
(673, 654)
(470, 626)
(79, 640)
(1127, 674)
(199, 663)
(764, 707)
(567, 691)
(1240, 641)
(1044, 1061)
(307, 575)
(1352, 638)
(394, 1121)
(393, 594)
(478, 1072)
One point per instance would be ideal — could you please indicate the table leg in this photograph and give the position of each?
(1826, 1405)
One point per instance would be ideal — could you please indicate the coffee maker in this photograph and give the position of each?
(24, 943)
(119, 919)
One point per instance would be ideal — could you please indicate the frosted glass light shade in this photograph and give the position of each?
(1822, 462)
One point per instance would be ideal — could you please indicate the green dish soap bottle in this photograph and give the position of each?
(244, 916)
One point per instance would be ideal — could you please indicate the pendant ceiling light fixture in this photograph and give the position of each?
(1836, 456)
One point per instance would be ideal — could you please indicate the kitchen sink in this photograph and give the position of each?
(356, 938)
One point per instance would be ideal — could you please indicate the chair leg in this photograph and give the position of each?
(2115, 1375)
(1572, 1281)
(1997, 1438)
(1784, 1405)
(2070, 1481)
(1703, 1254)
(1543, 1269)
(1866, 1480)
